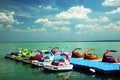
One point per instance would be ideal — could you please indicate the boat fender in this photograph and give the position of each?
(92, 70)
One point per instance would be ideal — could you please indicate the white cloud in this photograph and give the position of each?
(48, 23)
(19, 22)
(65, 28)
(42, 29)
(104, 18)
(7, 17)
(114, 11)
(9, 26)
(40, 6)
(111, 3)
(78, 32)
(79, 26)
(79, 12)
(24, 14)
(41, 20)
(99, 19)
(55, 28)
(88, 28)
(36, 29)
(56, 23)
(118, 22)
(85, 26)
(113, 26)
(48, 7)
(29, 29)
(82, 28)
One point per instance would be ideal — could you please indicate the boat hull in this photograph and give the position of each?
(37, 63)
(58, 68)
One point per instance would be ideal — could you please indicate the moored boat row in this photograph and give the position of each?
(54, 60)
(50, 60)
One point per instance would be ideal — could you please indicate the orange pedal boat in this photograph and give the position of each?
(90, 56)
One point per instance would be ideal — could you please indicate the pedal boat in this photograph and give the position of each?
(27, 53)
(77, 54)
(13, 55)
(62, 64)
(110, 59)
(90, 56)
(47, 60)
(34, 58)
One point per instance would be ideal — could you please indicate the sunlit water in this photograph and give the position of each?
(12, 70)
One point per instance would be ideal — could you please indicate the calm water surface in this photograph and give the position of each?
(12, 70)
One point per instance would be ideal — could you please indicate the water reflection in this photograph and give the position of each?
(65, 75)
(37, 70)
(92, 76)
(10, 68)
(71, 75)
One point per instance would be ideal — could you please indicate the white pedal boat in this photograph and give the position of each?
(37, 63)
(60, 65)
(58, 68)
(41, 63)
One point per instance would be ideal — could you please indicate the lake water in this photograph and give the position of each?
(12, 70)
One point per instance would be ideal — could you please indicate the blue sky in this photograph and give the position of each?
(59, 20)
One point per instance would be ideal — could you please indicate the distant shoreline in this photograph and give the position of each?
(59, 41)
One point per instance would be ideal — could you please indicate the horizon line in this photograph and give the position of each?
(63, 41)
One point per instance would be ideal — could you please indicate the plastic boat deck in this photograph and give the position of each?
(95, 66)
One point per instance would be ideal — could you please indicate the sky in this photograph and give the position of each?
(59, 20)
